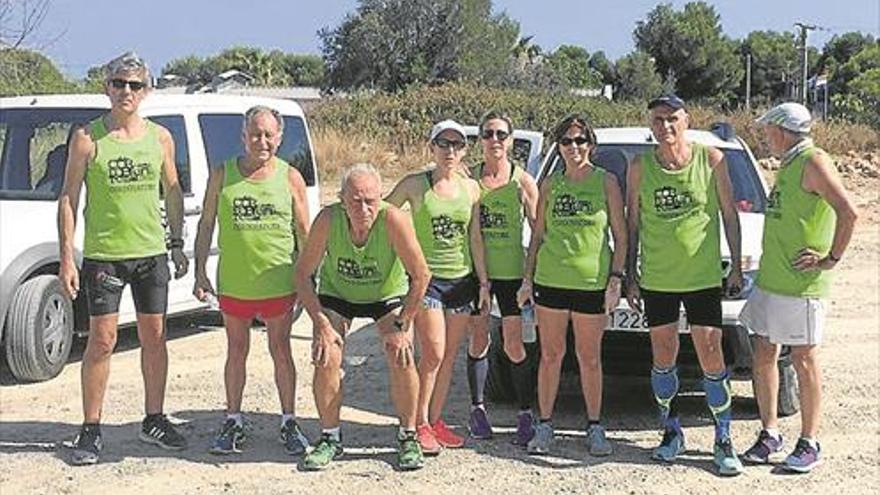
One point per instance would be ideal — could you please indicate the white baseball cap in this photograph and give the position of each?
(447, 125)
(792, 116)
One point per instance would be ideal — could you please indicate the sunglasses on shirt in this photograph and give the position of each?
(578, 140)
(496, 133)
(449, 143)
(132, 85)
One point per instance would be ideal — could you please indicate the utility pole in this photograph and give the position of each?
(805, 28)
(748, 81)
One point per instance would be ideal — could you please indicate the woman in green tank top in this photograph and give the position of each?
(446, 217)
(258, 200)
(576, 276)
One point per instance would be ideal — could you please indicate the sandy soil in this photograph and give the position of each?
(36, 419)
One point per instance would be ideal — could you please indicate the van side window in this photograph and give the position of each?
(177, 128)
(222, 136)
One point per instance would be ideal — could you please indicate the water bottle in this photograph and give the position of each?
(527, 314)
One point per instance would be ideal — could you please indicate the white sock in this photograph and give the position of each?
(235, 416)
(773, 432)
(331, 432)
(285, 417)
(403, 431)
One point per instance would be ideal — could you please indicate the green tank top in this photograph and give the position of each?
(501, 223)
(679, 225)
(256, 241)
(795, 219)
(123, 211)
(441, 226)
(361, 274)
(575, 252)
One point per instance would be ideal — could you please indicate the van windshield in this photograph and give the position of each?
(222, 136)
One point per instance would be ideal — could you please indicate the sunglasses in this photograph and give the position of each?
(496, 133)
(449, 143)
(132, 85)
(578, 140)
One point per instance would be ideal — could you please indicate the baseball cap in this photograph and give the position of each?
(672, 101)
(791, 116)
(447, 125)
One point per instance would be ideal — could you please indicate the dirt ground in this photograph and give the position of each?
(36, 420)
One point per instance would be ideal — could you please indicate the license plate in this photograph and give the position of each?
(625, 320)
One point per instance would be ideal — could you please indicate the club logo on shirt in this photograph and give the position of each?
(669, 199)
(774, 202)
(357, 271)
(123, 171)
(445, 228)
(568, 205)
(492, 220)
(249, 213)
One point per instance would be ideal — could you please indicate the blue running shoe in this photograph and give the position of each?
(228, 439)
(764, 447)
(804, 458)
(726, 460)
(670, 447)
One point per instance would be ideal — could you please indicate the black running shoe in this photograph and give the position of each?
(87, 445)
(157, 430)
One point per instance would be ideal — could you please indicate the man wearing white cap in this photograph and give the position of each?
(807, 226)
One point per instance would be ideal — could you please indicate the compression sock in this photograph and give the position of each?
(717, 387)
(664, 382)
(477, 370)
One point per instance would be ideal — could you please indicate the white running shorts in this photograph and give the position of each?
(785, 320)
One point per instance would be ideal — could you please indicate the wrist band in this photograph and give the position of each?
(175, 243)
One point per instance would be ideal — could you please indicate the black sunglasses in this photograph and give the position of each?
(449, 143)
(496, 133)
(578, 140)
(133, 85)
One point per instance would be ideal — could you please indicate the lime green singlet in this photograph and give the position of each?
(366, 274)
(256, 240)
(795, 219)
(501, 223)
(575, 252)
(679, 225)
(123, 210)
(442, 226)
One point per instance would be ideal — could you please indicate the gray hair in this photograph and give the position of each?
(254, 111)
(128, 62)
(357, 170)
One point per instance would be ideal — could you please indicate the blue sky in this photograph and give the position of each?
(160, 30)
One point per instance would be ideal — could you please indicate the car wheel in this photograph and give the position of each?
(39, 329)
(499, 386)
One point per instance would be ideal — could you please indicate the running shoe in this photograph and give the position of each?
(409, 453)
(525, 428)
(725, 458)
(542, 440)
(87, 446)
(479, 425)
(228, 439)
(764, 447)
(427, 440)
(445, 436)
(294, 440)
(597, 444)
(157, 430)
(804, 458)
(326, 451)
(670, 447)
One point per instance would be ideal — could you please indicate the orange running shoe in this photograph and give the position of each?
(447, 437)
(428, 441)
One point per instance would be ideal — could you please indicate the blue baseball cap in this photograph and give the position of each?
(672, 101)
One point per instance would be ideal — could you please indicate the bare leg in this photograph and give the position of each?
(806, 364)
(588, 332)
(278, 330)
(404, 379)
(707, 343)
(456, 330)
(553, 324)
(154, 360)
(765, 375)
(431, 336)
(327, 381)
(96, 364)
(238, 337)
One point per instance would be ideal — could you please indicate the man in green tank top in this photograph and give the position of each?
(259, 202)
(365, 249)
(674, 194)
(807, 227)
(122, 159)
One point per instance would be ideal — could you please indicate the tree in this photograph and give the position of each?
(572, 65)
(776, 63)
(690, 47)
(637, 77)
(27, 72)
(600, 63)
(19, 21)
(391, 44)
(274, 68)
(861, 101)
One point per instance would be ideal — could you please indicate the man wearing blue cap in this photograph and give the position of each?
(674, 194)
(807, 227)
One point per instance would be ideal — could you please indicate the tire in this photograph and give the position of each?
(39, 329)
(499, 386)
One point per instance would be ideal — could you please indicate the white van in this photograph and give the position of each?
(37, 323)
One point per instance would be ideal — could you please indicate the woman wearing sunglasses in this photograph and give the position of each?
(576, 275)
(446, 217)
(508, 194)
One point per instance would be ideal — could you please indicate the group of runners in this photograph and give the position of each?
(427, 276)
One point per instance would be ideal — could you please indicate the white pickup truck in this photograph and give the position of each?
(37, 323)
(626, 346)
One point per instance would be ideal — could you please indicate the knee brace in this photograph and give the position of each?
(717, 388)
(664, 382)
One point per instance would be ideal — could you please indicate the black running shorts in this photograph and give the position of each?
(702, 307)
(104, 281)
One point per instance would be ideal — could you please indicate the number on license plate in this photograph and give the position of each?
(624, 319)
